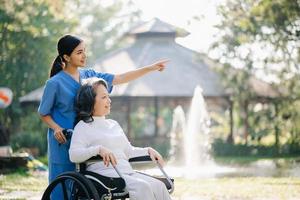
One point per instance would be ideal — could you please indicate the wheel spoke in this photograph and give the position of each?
(65, 189)
(73, 185)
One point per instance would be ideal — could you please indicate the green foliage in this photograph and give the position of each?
(261, 36)
(30, 140)
(29, 30)
(221, 148)
(43, 159)
(142, 121)
(32, 133)
(104, 26)
(259, 121)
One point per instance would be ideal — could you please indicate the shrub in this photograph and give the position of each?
(222, 148)
(30, 140)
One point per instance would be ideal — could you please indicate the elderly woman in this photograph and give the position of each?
(95, 135)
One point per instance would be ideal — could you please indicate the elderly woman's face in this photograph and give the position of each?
(102, 101)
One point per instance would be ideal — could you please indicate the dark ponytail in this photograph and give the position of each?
(57, 66)
(65, 46)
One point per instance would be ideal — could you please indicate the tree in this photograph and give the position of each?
(29, 30)
(103, 26)
(28, 36)
(260, 36)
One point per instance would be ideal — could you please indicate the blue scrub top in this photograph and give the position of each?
(58, 101)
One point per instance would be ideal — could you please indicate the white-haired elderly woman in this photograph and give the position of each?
(95, 135)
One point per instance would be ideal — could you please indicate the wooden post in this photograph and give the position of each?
(277, 130)
(246, 123)
(230, 138)
(156, 115)
(128, 117)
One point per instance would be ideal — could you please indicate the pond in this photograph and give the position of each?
(260, 168)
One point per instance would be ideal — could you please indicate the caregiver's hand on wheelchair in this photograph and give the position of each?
(59, 135)
(62, 135)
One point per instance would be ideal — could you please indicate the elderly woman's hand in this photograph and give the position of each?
(108, 156)
(155, 156)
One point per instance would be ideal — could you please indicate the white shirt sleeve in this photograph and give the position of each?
(79, 150)
(132, 151)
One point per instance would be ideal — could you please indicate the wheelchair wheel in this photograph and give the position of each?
(82, 187)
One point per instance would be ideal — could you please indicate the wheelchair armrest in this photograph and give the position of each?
(94, 158)
(134, 159)
(140, 159)
(167, 180)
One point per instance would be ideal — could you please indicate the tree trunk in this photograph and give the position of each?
(277, 130)
(156, 115)
(246, 123)
(230, 138)
(129, 134)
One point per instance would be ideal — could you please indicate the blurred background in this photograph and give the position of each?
(238, 59)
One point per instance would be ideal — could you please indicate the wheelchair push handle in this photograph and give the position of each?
(67, 133)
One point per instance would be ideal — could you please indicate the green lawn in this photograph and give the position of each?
(245, 160)
(21, 185)
(238, 188)
(24, 186)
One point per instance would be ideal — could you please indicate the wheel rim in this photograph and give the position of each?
(61, 180)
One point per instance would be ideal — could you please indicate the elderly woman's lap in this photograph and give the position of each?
(144, 187)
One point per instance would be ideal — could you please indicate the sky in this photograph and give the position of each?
(181, 14)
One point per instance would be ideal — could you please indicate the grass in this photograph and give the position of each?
(21, 185)
(238, 188)
(239, 160)
(28, 185)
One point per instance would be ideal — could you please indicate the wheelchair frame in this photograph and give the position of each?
(83, 182)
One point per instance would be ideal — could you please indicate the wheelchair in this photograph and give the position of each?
(82, 184)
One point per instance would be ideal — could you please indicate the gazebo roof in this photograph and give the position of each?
(183, 73)
(263, 89)
(185, 70)
(32, 97)
(156, 26)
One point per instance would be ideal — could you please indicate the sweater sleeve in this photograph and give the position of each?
(136, 151)
(80, 150)
(132, 151)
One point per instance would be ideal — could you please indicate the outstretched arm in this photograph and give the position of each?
(134, 74)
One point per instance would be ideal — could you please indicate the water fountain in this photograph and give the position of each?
(176, 152)
(190, 146)
(196, 136)
(190, 141)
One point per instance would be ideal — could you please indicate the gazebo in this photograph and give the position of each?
(147, 103)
